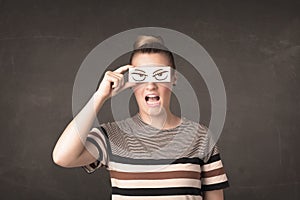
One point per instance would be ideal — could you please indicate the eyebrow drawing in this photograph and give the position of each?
(139, 70)
(158, 75)
(157, 71)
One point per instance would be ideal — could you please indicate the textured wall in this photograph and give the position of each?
(255, 44)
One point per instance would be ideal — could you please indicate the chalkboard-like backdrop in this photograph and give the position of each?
(255, 44)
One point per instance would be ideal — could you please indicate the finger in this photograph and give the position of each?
(123, 69)
(115, 75)
(114, 78)
(120, 83)
(122, 88)
(114, 82)
(118, 90)
(118, 76)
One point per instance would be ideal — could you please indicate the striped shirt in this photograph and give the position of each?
(148, 163)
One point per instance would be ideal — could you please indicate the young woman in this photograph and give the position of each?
(153, 155)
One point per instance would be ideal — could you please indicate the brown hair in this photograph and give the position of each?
(151, 44)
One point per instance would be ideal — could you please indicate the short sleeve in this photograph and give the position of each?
(213, 176)
(97, 140)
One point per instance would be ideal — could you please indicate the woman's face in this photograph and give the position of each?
(152, 98)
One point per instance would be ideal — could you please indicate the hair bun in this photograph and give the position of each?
(145, 41)
(151, 44)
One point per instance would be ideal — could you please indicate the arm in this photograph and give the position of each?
(214, 195)
(213, 177)
(70, 149)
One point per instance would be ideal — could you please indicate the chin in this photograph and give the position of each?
(155, 111)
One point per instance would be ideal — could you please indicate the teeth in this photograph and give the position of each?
(152, 97)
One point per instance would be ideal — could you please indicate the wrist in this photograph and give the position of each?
(98, 100)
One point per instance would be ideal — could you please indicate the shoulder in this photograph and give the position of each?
(116, 127)
(204, 143)
(195, 126)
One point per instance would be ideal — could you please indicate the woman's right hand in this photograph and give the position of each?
(113, 83)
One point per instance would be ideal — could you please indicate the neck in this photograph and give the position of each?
(163, 120)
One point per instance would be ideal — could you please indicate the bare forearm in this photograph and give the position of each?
(214, 195)
(71, 143)
(69, 149)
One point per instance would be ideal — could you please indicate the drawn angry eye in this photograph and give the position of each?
(138, 76)
(160, 76)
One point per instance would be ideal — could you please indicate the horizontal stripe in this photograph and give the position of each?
(153, 168)
(96, 132)
(101, 134)
(103, 131)
(213, 158)
(91, 140)
(214, 180)
(125, 160)
(95, 164)
(216, 186)
(98, 141)
(173, 197)
(100, 138)
(157, 191)
(212, 166)
(161, 183)
(212, 173)
(91, 167)
(154, 175)
(141, 176)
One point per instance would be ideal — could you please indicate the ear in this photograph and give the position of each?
(174, 78)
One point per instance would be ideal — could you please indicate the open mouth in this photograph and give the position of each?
(152, 100)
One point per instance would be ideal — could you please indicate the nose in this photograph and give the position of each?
(151, 86)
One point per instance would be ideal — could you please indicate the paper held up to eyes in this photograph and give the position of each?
(149, 74)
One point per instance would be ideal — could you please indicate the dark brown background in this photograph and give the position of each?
(255, 44)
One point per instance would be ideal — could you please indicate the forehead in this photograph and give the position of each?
(150, 69)
(156, 59)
